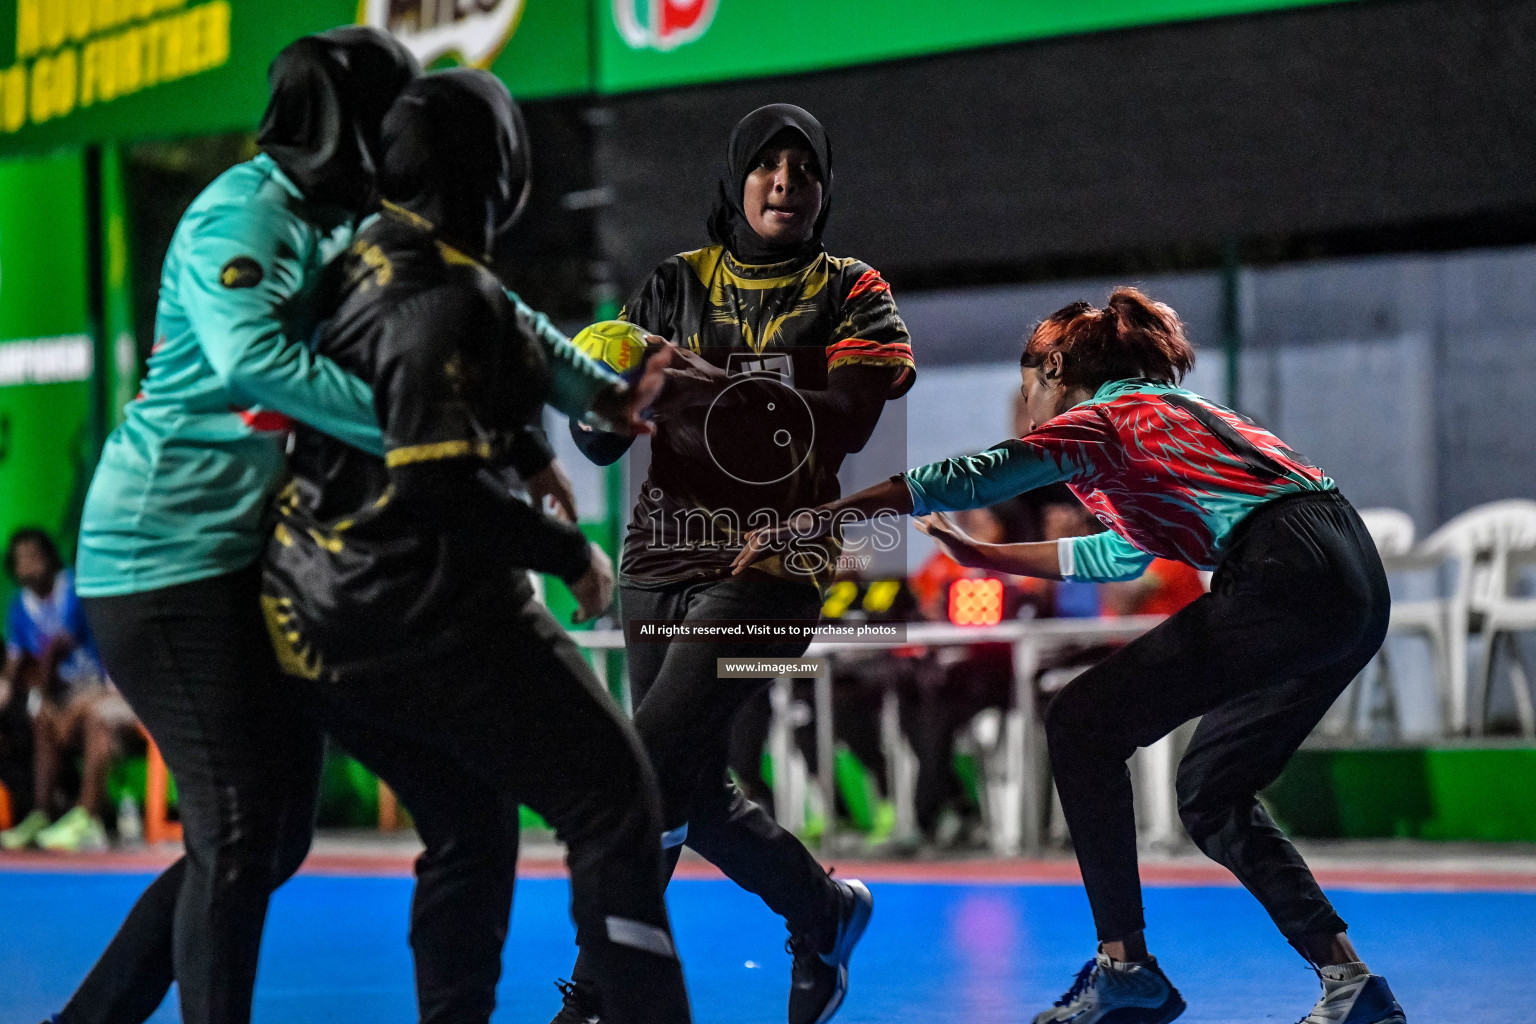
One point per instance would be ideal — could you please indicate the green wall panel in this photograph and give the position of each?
(46, 348)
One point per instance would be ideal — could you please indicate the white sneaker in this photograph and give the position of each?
(1353, 995)
(1106, 989)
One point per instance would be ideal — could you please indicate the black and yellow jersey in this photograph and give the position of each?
(379, 558)
(814, 347)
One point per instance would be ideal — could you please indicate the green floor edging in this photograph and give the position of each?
(1479, 794)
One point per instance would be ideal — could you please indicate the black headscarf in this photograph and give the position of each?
(728, 224)
(454, 150)
(329, 93)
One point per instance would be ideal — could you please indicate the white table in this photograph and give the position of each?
(1019, 830)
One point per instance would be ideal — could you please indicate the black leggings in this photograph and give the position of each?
(684, 713)
(514, 715)
(462, 902)
(195, 663)
(1296, 610)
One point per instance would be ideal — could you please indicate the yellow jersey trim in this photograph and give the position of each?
(440, 450)
(411, 217)
(294, 655)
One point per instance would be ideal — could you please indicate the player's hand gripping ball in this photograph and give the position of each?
(616, 344)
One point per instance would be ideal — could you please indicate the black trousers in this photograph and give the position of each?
(1296, 609)
(516, 716)
(462, 902)
(195, 664)
(684, 715)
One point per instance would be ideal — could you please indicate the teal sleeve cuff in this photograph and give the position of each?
(1101, 558)
(919, 507)
(576, 379)
(986, 478)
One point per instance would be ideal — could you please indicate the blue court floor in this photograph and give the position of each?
(935, 953)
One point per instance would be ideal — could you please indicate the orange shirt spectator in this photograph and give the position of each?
(1163, 589)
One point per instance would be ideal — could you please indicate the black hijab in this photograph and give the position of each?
(329, 93)
(454, 150)
(728, 224)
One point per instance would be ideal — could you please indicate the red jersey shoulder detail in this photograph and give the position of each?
(869, 283)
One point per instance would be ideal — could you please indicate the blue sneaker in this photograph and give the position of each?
(819, 977)
(1353, 995)
(1111, 992)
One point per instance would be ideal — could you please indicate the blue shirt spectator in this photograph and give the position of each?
(1076, 599)
(51, 656)
(36, 624)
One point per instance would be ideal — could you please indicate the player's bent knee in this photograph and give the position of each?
(1068, 719)
(1202, 813)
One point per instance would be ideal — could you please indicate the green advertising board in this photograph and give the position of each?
(47, 351)
(81, 71)
(651, 44)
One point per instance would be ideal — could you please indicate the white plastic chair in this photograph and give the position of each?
(1505, 616)
(1473, 541)
(1391, 529)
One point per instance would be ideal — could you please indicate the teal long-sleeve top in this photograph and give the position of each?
(183, 482)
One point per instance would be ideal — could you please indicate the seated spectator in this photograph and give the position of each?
(51, 656)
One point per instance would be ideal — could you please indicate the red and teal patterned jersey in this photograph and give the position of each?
(1167, 471)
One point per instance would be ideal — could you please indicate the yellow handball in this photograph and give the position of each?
(615, 343)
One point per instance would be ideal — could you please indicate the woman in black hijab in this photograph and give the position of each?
(729, 223)
(171, 533)
(786, 357)
(330, 93)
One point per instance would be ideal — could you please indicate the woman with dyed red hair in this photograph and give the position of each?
(1298, 605)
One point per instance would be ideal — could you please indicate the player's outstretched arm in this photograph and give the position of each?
(1040, 559)
(576, 379)
(889, 497)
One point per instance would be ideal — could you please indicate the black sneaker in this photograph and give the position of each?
(819, 976)
(579, 1005)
